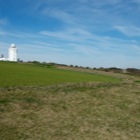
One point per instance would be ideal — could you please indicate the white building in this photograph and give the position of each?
(3, 59)
(12, 55)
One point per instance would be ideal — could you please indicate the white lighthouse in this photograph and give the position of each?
(12, 53)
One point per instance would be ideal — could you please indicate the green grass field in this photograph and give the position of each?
(13, 74)
(39, 103)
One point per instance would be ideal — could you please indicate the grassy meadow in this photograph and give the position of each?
(13, 74)
(42, 103)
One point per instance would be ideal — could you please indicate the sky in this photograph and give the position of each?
(93, 33)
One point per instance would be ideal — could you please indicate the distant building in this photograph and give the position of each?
(12, 54)
(3, 59)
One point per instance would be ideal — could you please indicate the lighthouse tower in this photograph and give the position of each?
(12, 53)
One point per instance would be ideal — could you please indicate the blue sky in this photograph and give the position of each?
(94, 33)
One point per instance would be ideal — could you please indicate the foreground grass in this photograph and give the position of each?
(71, 112)
(39, 103)
(13, 74)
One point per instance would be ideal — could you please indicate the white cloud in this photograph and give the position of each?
(128, 30)
(69, 34)
(20, 34)
(59, 14)
(91, 45)
(10, 34)
(94, 14)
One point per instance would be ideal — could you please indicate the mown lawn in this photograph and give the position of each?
(13, 74)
